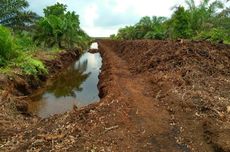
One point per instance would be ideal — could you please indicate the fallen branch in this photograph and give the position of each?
(110, 128)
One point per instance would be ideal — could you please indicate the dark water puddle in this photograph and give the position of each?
(77, 85)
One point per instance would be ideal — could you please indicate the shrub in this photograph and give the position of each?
(30, 66)
(7, 46)
(25, 42)
(214, 35)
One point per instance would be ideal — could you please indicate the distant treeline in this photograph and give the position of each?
(207, 21)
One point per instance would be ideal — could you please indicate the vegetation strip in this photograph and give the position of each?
(210, 21)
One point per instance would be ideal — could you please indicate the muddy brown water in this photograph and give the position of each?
(77, 85)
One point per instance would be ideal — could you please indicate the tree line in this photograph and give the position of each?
(23, 32)
(207, 21)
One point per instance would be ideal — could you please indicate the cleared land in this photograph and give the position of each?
(155, 96)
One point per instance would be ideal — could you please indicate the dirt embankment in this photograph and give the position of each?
(155, 96)
(192, 81)
(15, 87)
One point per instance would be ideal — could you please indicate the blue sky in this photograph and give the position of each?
(105, 17)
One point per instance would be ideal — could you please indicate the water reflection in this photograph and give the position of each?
(94, 46)
(77, 85)
(72, 79)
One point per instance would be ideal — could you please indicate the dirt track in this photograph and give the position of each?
(156, 96)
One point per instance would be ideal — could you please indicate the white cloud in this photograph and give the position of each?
(90, 15)
(60, 1)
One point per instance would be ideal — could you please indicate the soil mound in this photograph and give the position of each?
(155, 96)
(192, 79)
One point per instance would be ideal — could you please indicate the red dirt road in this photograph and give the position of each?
(190, 80)
(147, 127)
(156, 96)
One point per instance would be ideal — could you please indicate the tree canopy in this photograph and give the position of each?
(210, 20)
(23, 35)
(59, 27)
(14, 14)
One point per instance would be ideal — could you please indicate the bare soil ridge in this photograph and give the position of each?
(155, 96)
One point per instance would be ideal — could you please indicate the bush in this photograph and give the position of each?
(7, 46)
(214, 35)
(30, 66)
(25, 42)
(180, 24)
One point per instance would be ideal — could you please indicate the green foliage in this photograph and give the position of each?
(143, 27)
(158, 30)
(14, 14)
(48, 31)
(113, 36)
(33, 67)
(57, 29)
(146, 28)
(11, 54)
(127, 33)
(202, 17)
(60, 28)
(214, 35)
(210, 20)
(180, 24)
(25, 42)
(7, 46)
(5, 70)
(222, 21)
(29, 65)
(82, 40)
(57, 10)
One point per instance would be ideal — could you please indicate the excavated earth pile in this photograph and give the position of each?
(192, 80)
(155, 96)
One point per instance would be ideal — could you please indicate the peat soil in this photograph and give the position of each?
(15, 88)
(155, 96)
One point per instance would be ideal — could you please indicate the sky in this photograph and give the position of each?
(101, 18)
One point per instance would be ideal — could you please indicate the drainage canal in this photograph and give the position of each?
(77, 85)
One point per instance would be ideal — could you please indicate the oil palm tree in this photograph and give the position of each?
(59, 28)
(203, 15)
(14, 14)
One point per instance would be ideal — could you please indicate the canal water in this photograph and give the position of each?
(77, 85)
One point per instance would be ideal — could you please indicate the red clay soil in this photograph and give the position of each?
(155, 96)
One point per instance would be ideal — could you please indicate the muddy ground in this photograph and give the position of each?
(15, 87)
(155, 96)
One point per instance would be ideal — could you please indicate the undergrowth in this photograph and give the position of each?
(25, 64)
(25, 43)
(30, 65)
(7, 46)
(17, 54)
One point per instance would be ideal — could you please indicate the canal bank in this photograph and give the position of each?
(15, 88)
(146, 103)
(74, 86)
